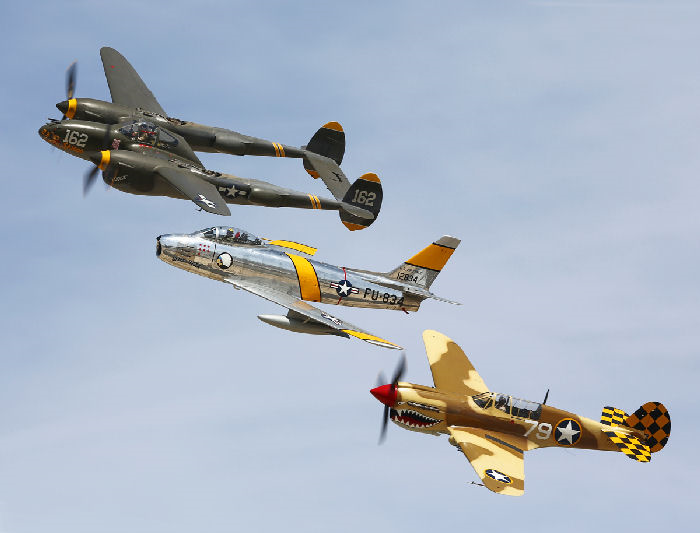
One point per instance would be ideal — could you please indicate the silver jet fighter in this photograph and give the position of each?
(281, 272)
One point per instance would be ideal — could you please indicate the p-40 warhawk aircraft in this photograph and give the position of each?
(280, 272)
(495, 430)
(165, 164)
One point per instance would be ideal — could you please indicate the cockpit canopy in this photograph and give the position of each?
(228, 235)
(148, 133)
(509, 405)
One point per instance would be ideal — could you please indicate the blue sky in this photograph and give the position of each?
(558, 140)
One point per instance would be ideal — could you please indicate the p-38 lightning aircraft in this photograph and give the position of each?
(143, 151)
(495, 430)
(275, 270)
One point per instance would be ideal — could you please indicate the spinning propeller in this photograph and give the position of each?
(387, 393)
(71, 77)
(101, 160)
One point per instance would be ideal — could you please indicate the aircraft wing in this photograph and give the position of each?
(331, 174)
(496, 457)
(201, 192)
(300, 307)
(125, 85)
(451, 368)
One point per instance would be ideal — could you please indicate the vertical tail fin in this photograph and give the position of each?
(362, 202)
(422, 269)
(328, 141)
(653, 419)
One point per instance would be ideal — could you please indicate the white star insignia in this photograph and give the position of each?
(498, 476)
(344, 288)
(567, 432)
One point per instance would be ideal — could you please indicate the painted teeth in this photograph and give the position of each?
(412, 419)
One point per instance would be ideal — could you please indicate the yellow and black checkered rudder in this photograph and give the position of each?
(653, 419)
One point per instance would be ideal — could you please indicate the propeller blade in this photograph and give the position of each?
(89, 179)
(381, 380)
(71, 75)
(385, 422)
(400, 370)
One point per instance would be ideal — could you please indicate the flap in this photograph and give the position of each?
(201, 192)
(496, 457)
(452, 370)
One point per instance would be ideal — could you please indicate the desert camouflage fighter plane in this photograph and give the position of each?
(495, 430)
(280, 272)
(143, 151)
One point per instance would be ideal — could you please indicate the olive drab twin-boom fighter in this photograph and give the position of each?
(495, 430)
(141, 150)
(281, 272)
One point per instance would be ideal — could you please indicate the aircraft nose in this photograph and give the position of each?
(385, 394)
(62, 106)
(165, 242)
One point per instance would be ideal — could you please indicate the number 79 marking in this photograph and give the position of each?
(544, 430)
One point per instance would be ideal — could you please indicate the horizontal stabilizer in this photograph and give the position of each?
(612, 416)
(630, 445)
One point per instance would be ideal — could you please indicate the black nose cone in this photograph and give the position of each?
(62, 106)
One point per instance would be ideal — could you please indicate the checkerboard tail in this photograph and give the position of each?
(630, 445)
(653, 419)
(612, 416)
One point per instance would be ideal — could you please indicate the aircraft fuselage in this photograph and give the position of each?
(284, 270)
(428, 410)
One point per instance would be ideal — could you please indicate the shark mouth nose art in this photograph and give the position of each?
(412, 419)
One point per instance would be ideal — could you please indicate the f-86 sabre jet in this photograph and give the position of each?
(494, 430)
(279, 271)
(133, 103)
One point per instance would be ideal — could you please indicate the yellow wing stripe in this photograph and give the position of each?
(310, 250)
(308, 280)
(433, 257)
(368, 337)
(277, 152)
